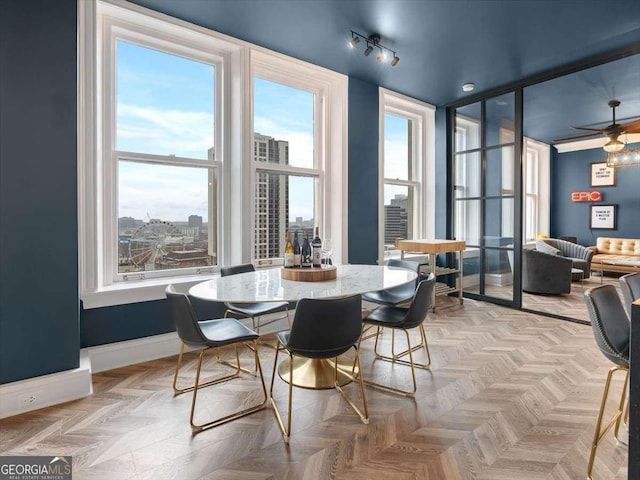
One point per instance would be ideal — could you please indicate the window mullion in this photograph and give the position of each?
(165, 159)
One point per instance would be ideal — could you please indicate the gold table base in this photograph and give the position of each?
(317, 373)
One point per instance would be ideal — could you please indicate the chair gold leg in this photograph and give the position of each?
(621, 408)
(393, 342)
(413, 370)
(409, 363)
(397, 358)
(285, 431)
(365, 335)
(178, 391)
(227, 418)
(426, 344)
(375, 345)
(364, 417)
(600, 432)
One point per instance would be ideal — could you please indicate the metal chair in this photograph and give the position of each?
(205, 335)
(399, 295)
(322, 329)
(404, 318)
(630, 286)
(612, 330)
(396, 295)
(253, 310)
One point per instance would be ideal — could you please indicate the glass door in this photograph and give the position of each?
(486, 196)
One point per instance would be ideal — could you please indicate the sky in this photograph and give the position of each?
(165, 106)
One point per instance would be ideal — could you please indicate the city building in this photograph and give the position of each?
(395, 219)
(272, 197)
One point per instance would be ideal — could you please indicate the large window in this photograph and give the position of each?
(287, 170)
(164, 158)
(195, 151)
(406, 166)
(536, 185)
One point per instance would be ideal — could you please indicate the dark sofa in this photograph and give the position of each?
(580, 256)
(546, 274)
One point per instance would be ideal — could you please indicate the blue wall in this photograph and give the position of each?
(570, 172)
(39, 308)
(442, 185)
(136, 320)
(363, 172)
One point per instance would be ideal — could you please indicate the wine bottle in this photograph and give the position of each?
(306, 252)
(288, 251)
(316, 244)
(297, 252)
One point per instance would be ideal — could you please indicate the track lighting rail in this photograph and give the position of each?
(373, 41)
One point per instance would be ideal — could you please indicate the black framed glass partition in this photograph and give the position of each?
(486, 195)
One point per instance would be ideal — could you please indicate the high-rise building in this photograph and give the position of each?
(396, 219)
(272, 197)
(195, 226)
(195, 221)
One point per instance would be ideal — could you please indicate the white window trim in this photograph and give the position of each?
(235, 243)
(294, 76)
(330, 146)
(98, 21)
(543, 152)
(423, 163)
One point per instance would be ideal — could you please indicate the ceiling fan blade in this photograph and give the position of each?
(632, 127)
(590, 129)
(576, 137)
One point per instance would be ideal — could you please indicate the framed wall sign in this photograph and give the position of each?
(602, 176)
(603, 216)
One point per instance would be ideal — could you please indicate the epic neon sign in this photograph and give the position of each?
(593, 196)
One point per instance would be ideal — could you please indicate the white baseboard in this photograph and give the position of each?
(121, 354)
(39, 392)
(47, 390)
(498, 279)
(495, 279)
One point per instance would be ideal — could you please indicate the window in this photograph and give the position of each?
(407, 171)
(536, 190)
(296, 166)
(174, 178)
(467, 179)
(285, 163)
(164, 158)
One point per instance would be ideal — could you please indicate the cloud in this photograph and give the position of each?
(165, 132)
(165, 192)
(396, 154)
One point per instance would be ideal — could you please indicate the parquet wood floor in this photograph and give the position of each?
(510, 396)
(570, 305)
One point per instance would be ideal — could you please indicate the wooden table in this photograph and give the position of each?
(433, 247)
(268, 285)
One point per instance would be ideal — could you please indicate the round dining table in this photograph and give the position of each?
(267, 285)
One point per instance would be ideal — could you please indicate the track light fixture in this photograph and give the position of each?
(373, 41)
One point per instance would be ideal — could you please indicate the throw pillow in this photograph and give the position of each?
(544, 247)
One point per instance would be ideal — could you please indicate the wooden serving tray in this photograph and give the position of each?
(309, 274)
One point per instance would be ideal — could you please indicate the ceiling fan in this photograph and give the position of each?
(612, 132)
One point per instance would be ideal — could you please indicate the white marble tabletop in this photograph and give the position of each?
(267, 285)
